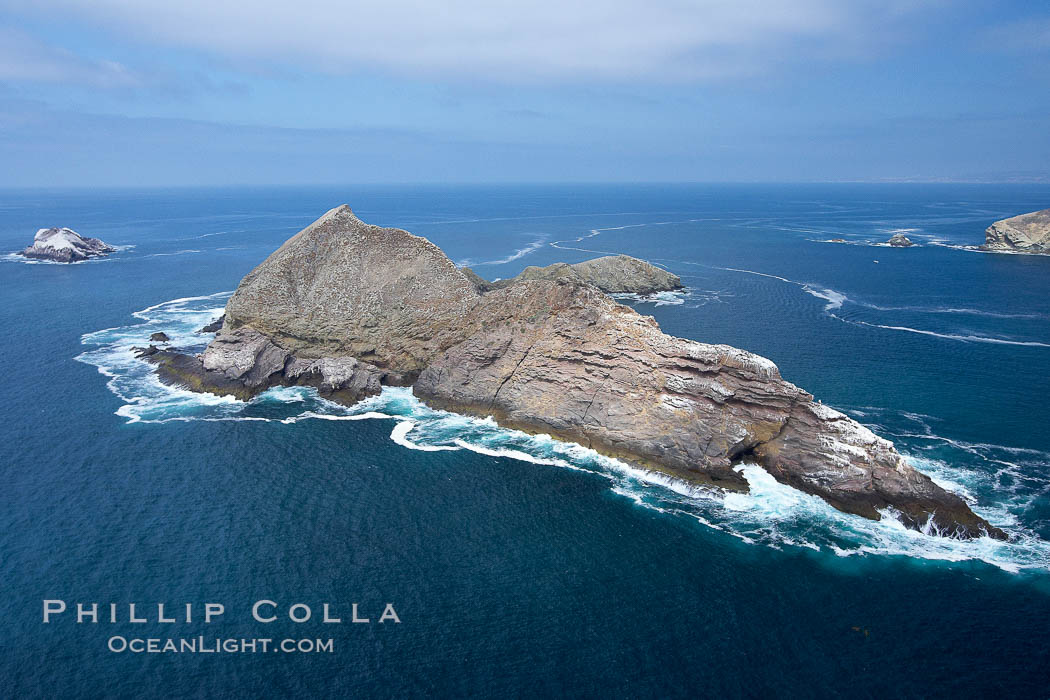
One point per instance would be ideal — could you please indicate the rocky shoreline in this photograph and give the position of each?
(347, 307)
(1026, 233)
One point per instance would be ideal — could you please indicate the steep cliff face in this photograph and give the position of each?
(348, 307)
(1027, 233)
(563, 359)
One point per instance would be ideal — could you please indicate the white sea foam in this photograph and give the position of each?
(669, 298)
(307, 415)
(177, 252)
(835, 301)
(536, 244)
(969, 338)
(403, 428)
(952, 310)
(598, 231)
(510, 454)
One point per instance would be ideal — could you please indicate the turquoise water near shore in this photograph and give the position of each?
(518, 564)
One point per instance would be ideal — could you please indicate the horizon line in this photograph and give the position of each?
(527, 183)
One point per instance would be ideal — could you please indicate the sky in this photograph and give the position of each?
(202, 92)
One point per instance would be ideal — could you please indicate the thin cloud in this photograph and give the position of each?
(24, 58)
(502, 40)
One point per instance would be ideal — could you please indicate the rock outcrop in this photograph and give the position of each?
(612, 274)
(899, 240)
(348, 307)
(65, 245)
(244, 363)
(479, 282)
(214, 326)
(1027, 233)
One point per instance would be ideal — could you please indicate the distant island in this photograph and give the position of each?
(1026, 233)
(613, 274)
(64, 245)
(348, 307)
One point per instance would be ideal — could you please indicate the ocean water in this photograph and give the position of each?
(519, 565)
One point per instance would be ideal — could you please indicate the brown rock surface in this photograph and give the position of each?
(343, 288)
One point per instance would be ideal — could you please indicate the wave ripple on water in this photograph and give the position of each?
(1000, 482)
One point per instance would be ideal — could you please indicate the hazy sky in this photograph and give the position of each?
(119, 92)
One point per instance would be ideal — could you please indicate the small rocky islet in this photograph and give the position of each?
(64, 245)
(348, 307)
(612, 274)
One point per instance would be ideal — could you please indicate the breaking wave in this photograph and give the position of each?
(675, 298)
(1001, 483)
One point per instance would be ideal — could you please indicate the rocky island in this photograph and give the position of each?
(348, 307)
(64, 245)
(1027, 233)
(612, 274)
(899, 240)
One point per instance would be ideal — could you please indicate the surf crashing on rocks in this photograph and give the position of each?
(1000, 483)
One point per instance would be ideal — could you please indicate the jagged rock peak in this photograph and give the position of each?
(341, 287)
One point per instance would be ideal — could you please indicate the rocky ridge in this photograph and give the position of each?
(349, 307)
(612, 274)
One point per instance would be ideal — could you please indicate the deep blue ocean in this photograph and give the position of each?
(519, 566)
